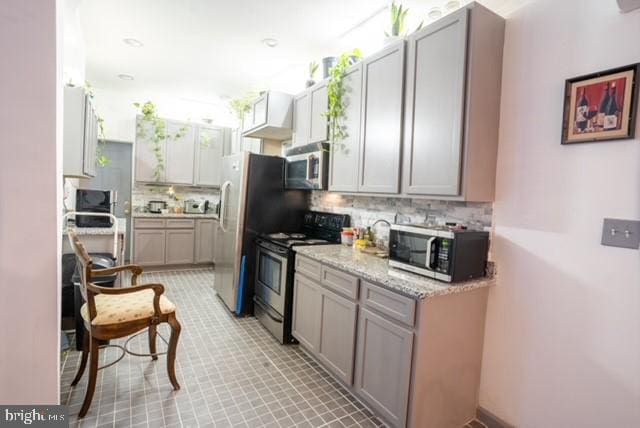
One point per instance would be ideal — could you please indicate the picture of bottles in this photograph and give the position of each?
(592, 115)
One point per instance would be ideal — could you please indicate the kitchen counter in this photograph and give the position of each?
(174, 215)
(83, 231)
(376, 270)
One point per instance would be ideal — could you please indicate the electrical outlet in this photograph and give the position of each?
(621, 233)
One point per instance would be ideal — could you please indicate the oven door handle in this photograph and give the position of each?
(429, 250)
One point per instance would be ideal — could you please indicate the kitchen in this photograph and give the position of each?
(345, 218)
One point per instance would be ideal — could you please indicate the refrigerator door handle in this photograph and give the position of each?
(223, 204)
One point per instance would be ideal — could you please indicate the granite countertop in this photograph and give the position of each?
(173, 215)
(122, 228)
(376, 269)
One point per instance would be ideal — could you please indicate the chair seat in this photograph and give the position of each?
(120, 308)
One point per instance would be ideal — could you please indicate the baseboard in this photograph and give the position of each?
(491, 420)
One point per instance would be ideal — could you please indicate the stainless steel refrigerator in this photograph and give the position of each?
(252, 201)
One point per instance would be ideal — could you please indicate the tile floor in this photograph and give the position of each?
(232, 373)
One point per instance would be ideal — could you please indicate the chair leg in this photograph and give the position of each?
(94, 353)
(152, 341)
(171, 355)
(83, 361)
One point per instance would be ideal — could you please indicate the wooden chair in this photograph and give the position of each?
(112, 313)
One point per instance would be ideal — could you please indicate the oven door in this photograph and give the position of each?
(415, 251)
(271, 275)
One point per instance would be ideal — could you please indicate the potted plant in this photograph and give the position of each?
(313, 67)
(398, 15)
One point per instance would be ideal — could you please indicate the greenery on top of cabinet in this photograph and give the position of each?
(101, 158)
(242, 105)
(398, 15)
(336, 92)
(156, 135)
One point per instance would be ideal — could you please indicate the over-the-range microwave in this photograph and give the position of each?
(439, 252)
(307, 167)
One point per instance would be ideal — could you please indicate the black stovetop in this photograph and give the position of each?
(319, 228)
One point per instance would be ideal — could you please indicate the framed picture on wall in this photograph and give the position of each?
(601, 106)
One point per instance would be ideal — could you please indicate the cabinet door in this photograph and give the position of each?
(382, 88)
(337, 335)
(209, 149)
(301, 119)
(383, 366)
(204, 240)
(179, 246)
(305, 325)
(148, 154)
(319, 105)
(180, 153)
(435, 98)
(260, 111)
(90, 139)
(345, 154)
(149, 247)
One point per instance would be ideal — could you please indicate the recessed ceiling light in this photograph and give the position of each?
(134, 43)
(125, 76)
(434, 13)
(272, 43)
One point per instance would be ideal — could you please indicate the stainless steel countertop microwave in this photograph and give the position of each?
(307, 167)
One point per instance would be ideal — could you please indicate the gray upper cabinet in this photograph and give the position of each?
(270, 117)
(209, 150)
(452, 106)
(383, 366)
(338, 335)
(146, 162)
(382, 98)
(180, 152)
(301, 119)
(80, 134)
(345, 154)
(319, 129)
(307, 300)
(435, 88)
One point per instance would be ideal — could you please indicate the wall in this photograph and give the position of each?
(365, 210)
(562, 345)
(31, 186)
(142, 194)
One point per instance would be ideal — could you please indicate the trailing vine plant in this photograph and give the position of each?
(101, 158)
(242, 105)
(336, 93)
(156, 134)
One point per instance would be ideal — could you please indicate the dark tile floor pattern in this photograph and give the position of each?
(232, 373)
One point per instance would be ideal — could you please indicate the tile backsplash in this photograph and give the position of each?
(142, 194)
(364, 210)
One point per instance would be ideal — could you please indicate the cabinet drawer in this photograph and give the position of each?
(340, 282)
(180, 223)
(308, 267)
(148, 223)
(393, 305)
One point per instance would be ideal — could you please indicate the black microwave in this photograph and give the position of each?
(440, 253)
(94, 201)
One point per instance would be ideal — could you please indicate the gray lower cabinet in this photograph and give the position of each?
(383, 366)
(149, 247)
(382, 108)
(336, 347)
(204, 240)
(345, 154)
(307, 301)
(179, 246)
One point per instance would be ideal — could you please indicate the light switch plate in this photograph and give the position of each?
(621, 233)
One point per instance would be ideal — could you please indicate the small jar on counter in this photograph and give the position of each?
(346, 236)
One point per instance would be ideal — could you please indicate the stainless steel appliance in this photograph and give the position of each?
(95, 201)
(439, 252)
(155, 207)
(307, 166)
(192, 206)
(273, 292)
(252, 201)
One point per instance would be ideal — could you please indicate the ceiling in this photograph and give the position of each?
(206, 51)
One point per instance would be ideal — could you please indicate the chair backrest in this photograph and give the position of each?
(85, 262)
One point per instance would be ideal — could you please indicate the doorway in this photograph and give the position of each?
(116, 176)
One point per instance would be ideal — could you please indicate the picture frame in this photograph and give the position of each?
(601, 106)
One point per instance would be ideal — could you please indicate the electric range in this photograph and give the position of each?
(275, 260)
